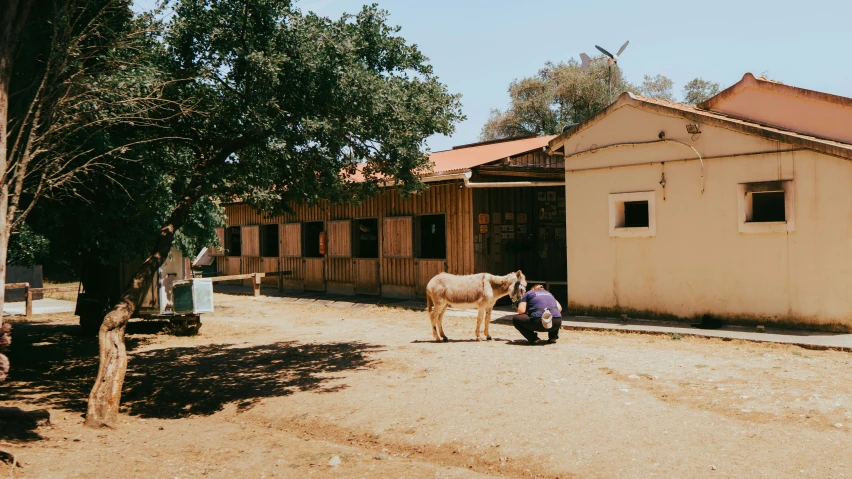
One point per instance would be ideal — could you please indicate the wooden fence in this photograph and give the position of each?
(31, 291)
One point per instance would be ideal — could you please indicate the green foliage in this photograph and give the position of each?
(291, 106)
(560, 94)
(699, 90)
(264, 104)
(27, 248)
(659, 87)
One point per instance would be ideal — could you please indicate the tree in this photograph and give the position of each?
(558, 95)
(13, 17)
(288, 106)
(78, 76)
(699, 90)
(659, 87)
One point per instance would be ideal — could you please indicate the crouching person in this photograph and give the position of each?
(538, 311)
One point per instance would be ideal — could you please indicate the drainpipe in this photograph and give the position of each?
(465, 178)
(514, 184)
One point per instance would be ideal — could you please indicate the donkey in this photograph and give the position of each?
(478, 291)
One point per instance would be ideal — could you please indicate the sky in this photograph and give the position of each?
(477, 47)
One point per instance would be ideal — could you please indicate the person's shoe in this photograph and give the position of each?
(552, 341)
(534, 341)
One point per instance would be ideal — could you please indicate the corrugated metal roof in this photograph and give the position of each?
(474, 155)
(465, 157)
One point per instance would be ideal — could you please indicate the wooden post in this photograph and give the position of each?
(29, 304)
(280, 277)
(257, 279)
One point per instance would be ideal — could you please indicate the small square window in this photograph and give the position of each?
(635, 214)
(632, 214)
(766, 207)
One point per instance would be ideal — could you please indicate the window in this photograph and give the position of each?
(635, 214)
(269, 241)
(233, 241)
(365, 238)
(432, 233)
(312, 239)
(766, 207)
(632, 214)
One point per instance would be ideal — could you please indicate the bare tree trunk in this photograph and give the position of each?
(13, 15)
(106, 393)
(5, 329)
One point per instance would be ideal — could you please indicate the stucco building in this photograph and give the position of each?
(739, 207)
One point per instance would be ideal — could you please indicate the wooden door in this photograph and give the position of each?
(339, 239)
(367, 276)
(250, 239)
(314, 274)
(426, 269)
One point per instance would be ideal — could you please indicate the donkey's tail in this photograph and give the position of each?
(429, 303)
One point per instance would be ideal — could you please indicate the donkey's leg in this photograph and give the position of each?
(487, 322)
(441, 312)
(433, 319)
(479, 314)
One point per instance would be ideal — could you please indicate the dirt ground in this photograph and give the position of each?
(273, 388)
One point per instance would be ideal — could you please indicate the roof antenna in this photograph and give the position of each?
(612, 60)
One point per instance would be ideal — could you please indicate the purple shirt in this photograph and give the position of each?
(537, 300)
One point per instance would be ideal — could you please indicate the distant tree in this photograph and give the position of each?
(659, 87)
(699, 90)
(559, 94)
(289, 107)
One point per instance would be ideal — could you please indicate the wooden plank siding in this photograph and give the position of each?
(339, 238)
(340, 268)
(398, 237)
(367, 276)
(315, 274)
(269, 265)
(426, 270)
(220, 232)
(250, 239)
(538, 159)
(290, 240)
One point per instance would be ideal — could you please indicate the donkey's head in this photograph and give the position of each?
(519, 287)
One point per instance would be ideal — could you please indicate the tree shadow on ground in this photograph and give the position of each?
(54, 367)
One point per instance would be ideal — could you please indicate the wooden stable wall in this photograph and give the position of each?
(521, 228)
(399, 272)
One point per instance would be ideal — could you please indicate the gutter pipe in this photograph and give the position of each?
(465, 178)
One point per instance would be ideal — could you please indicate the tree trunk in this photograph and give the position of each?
(5, 329)
(106, 393)
(12, 18)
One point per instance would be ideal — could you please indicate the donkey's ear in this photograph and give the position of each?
(520, 274)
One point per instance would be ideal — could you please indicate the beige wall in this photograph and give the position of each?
(818, 118)
(699, 262)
